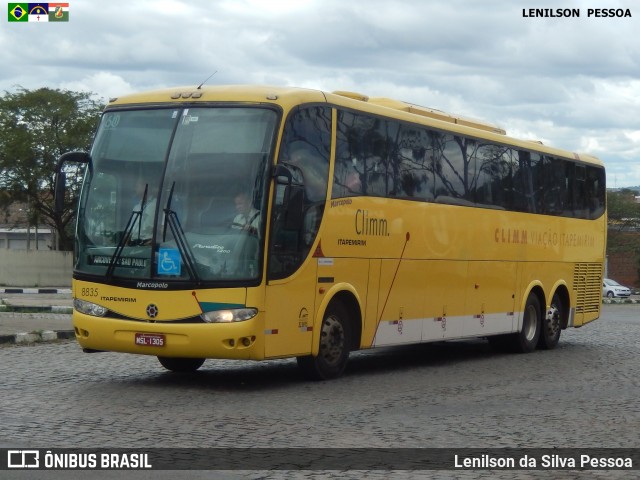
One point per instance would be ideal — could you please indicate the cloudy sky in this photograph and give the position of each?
(573, 83)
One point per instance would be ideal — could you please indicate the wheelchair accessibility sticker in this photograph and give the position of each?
(168, 261)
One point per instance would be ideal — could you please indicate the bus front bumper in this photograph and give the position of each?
(237, 340)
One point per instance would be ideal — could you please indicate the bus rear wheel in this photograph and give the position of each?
(333, 352)
(552, 325)
(182, 365)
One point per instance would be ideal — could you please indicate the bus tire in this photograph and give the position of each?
(181, 365)
(334, 348)
(526, 339)
(552, 325)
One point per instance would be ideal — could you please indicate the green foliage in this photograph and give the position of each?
(37, 127)
(623, 210)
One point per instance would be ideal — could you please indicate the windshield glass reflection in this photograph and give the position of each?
(190, 208)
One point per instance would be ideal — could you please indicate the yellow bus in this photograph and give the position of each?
(250, 222)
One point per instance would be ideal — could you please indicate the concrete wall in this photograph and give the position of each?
(35, 268)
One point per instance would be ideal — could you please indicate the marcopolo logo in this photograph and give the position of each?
(23, 459)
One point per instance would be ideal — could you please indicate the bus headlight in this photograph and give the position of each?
(228, 316)
(89, 308)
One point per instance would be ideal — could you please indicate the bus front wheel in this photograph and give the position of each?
(333, 352)
(177, 364)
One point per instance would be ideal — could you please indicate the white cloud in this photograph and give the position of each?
(571, 82)
(108, 84)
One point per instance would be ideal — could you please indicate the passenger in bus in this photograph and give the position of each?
(247, 218)
(347, 180)
(314, 170)
(353, 182)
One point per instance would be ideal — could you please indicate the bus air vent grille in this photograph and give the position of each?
(587, 283)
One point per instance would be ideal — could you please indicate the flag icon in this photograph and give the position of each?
(38, 12)
(18, 12)
(58, 12)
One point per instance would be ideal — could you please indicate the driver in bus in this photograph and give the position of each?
(247, 218)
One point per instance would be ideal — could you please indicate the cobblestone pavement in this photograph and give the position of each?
(456, 395)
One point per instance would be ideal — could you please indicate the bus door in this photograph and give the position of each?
(301, 180)
(291, 274)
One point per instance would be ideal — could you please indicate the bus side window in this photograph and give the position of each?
(347, 179)
(304, 150)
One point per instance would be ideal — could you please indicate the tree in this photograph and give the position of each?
(36, 127)
(623, 210)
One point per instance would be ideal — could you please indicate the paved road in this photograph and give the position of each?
(583, 394)
(37, 319)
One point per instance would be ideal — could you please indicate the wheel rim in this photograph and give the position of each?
(610, 294)
(530, 326)
(332, 340)
(553, 321)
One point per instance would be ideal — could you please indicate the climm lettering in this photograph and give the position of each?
(543, 238)
(369, 225)
(507, 235)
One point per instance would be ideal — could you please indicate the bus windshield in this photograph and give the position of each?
(176, 194)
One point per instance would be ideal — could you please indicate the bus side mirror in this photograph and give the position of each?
(60, 190)
(61, 177)
(289, 197)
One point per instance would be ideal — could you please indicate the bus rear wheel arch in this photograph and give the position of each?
(335, 344)
(526, 340)
(181, 365)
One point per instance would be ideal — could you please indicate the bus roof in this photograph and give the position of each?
(288, 97)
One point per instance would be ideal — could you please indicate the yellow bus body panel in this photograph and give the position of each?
(199, 340)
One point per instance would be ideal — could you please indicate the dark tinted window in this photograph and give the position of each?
(366, 146)
(382, 157)
(412, 166)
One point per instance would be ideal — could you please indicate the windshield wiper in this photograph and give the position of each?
(171, 219)
(136, 216)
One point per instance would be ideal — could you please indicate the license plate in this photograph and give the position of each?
(150, 339)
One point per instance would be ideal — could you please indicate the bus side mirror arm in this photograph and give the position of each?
(279, 171)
